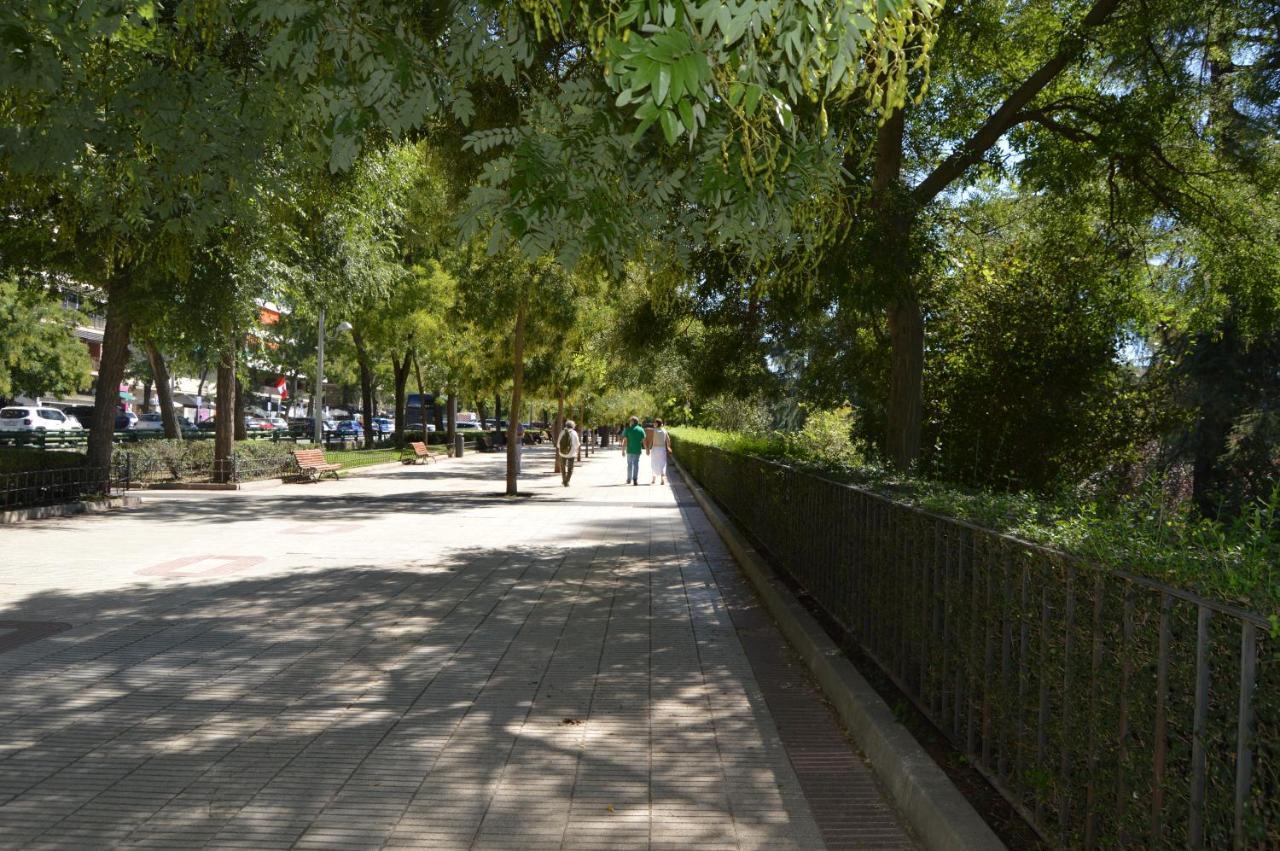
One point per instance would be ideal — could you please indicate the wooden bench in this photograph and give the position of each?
(312, 466)
(421, 455)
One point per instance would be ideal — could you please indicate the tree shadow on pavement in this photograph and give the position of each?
(544, 695)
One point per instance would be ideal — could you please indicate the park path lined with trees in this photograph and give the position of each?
(1016, 263)
(561, 673)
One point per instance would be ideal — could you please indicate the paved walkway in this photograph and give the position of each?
(409, 659)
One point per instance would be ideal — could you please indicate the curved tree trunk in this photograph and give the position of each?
(224, 423)
(559, 427)
(401, 372)
(164, 391)
(115, 351)
(422, 396)
(241, 431)
(451, 417)
(517, 384)
(366, 386)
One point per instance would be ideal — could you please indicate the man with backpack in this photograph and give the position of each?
(567, 448)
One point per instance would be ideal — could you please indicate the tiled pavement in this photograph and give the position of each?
(409, 660)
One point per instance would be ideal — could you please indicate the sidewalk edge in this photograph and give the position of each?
(934, 808)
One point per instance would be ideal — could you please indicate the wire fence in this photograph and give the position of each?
(1112, 710)
(38, 488)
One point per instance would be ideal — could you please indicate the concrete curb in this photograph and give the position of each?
(255, 485)
(934, 808)
(68, 509)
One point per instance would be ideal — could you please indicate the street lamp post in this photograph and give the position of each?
(317, 405)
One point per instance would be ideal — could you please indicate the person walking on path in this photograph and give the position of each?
(567, 448)
(633, 438)
(659, 446)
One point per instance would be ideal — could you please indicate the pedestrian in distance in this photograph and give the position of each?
(659, 446)
(567, 448)
(633, 438)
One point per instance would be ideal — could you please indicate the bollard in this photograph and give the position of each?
(459, 442)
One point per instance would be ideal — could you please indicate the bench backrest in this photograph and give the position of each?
(309, 457)
(418, 447)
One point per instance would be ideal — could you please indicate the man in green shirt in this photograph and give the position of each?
(632, 445)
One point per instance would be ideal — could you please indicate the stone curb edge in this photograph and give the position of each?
(935, 809)
(68, 509)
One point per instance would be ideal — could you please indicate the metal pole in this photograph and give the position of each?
(318, 400)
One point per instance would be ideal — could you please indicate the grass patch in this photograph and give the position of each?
(351, 459)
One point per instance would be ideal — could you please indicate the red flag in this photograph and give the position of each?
(283, 387)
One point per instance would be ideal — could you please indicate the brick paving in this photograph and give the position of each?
(410, 660)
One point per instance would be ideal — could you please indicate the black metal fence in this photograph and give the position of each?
(1112, 710)
(38, 488)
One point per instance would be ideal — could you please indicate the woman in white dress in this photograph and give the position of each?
(659, 446)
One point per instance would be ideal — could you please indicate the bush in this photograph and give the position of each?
(29, 460)
(1237, 562)
(183, 460)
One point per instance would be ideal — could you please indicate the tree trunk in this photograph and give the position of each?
(422, 396)
(483, 407)
(241, 430)
(555, 436)
(517, 384)
(451, 416)
(146, 394)
(366, 387)
(497, 410)
(401, 371)
(115, 351)
(437, 413)
(906, 382)
(224, 432)
(164, 391)
(894, 216)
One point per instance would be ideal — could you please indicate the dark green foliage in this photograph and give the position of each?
(1026, 383)
(26, 460)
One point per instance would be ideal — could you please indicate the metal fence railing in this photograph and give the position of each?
(38, 488)
(1112, 710)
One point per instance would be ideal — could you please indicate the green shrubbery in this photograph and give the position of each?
(170, 460)
(14, 460)
(1236, 561)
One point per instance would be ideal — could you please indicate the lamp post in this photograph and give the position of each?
(317, 404)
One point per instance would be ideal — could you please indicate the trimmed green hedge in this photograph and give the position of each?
(27, 460)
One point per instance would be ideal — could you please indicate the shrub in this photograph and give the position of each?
(174, 460)
(1237, 562)
(14, 460)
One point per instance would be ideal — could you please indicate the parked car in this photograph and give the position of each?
(207, 424)
(278, 422)
(126, 420)
(467, 426)
(257, 424)
(36, 418)
(83, 413)
(152, 421)
(350, 428)
(382, 425)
